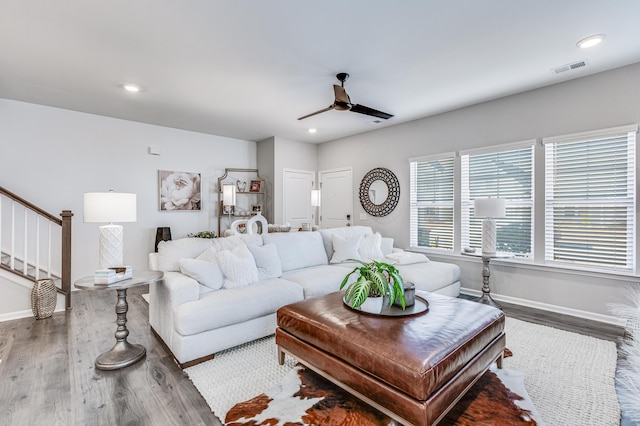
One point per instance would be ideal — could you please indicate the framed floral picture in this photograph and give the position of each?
(179, 191)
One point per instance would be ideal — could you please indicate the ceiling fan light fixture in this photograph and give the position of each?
(590, 41)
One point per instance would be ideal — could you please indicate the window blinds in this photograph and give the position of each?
(431, 204)
(504, 174)
(590, 199)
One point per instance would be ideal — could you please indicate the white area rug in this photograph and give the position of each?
(569, 377)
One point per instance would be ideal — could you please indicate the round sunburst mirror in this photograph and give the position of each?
(379, 192)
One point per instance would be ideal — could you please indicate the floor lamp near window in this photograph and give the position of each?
(110, 207)
(489, 209)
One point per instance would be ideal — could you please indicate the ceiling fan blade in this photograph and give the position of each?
(370, 111)
(329, 108)
(341, 94)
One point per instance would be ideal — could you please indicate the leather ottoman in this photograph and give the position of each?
(413, 368)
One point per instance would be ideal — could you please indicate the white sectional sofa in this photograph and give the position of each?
(219, 293)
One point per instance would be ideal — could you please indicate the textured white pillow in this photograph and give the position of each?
(238, 267)
(345, 248)
(205, 272)
(370, 247)
(267, 261)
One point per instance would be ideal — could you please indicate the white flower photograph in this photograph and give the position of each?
(179, 190)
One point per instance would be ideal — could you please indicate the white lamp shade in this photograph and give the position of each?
(109, 207)
(229, 195)
(316, 198)
(489, 207)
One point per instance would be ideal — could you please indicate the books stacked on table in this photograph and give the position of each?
(112, 275)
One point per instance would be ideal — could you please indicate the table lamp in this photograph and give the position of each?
(489, 209)
(229, 197)
(110, 207)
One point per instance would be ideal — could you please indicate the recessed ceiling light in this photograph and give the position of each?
(134, 88)
(590, 41)
(312, 130)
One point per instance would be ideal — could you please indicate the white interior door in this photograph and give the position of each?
(296, 196)
(337, 198)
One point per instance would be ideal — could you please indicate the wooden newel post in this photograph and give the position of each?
(66, 256)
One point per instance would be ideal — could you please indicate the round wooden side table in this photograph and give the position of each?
(123, 353)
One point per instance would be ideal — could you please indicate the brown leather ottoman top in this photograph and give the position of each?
(415, 354)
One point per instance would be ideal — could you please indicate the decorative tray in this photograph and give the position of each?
(421, 305)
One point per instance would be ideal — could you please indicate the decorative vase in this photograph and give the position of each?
(372, 305)
(409, 295)
(43, 298)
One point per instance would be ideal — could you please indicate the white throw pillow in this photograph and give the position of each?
(238, 267)
(345, 248)
(205, 272)
(370, 247)
(267, 261)
(209, 255)
(386, 245)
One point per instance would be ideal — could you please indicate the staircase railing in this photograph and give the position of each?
(28, 237)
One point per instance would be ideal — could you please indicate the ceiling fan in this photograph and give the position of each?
(343, 103)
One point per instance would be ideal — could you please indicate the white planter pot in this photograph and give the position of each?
(372, 305)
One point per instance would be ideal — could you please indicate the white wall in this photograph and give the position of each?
(603, 100)
(52, 156)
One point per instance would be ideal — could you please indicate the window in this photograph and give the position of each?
(590, 199)
(431, 203)
(501, 172)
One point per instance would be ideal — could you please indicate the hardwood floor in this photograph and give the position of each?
(47, 374)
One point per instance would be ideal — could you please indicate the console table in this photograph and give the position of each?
(123, 353)
(486, 273)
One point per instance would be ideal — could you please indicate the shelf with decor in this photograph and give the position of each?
(244, 197)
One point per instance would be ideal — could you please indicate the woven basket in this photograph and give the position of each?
(43, 298)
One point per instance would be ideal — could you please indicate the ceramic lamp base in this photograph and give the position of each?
(489, 236)
(111, 246)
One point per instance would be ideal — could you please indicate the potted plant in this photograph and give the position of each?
(376, 280)
(203, 234)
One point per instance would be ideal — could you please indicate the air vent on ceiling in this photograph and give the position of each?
(569, 67)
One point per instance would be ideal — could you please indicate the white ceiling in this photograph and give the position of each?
(248, 69)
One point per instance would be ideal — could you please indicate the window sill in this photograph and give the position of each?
(516, 262)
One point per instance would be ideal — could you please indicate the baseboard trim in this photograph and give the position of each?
(606, 319)
(24, 314)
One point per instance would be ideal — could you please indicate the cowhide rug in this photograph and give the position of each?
(305, 398)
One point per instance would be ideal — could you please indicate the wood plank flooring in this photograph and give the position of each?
(47, 374)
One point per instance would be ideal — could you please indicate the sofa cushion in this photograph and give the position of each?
(345, 248)
(430, 276)
(205, 272)
(231, 306)
(267, 261)
(406, 258)
(345, 232)
(170, 252)
(238, 267)
(298, 249)
(319, 280)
